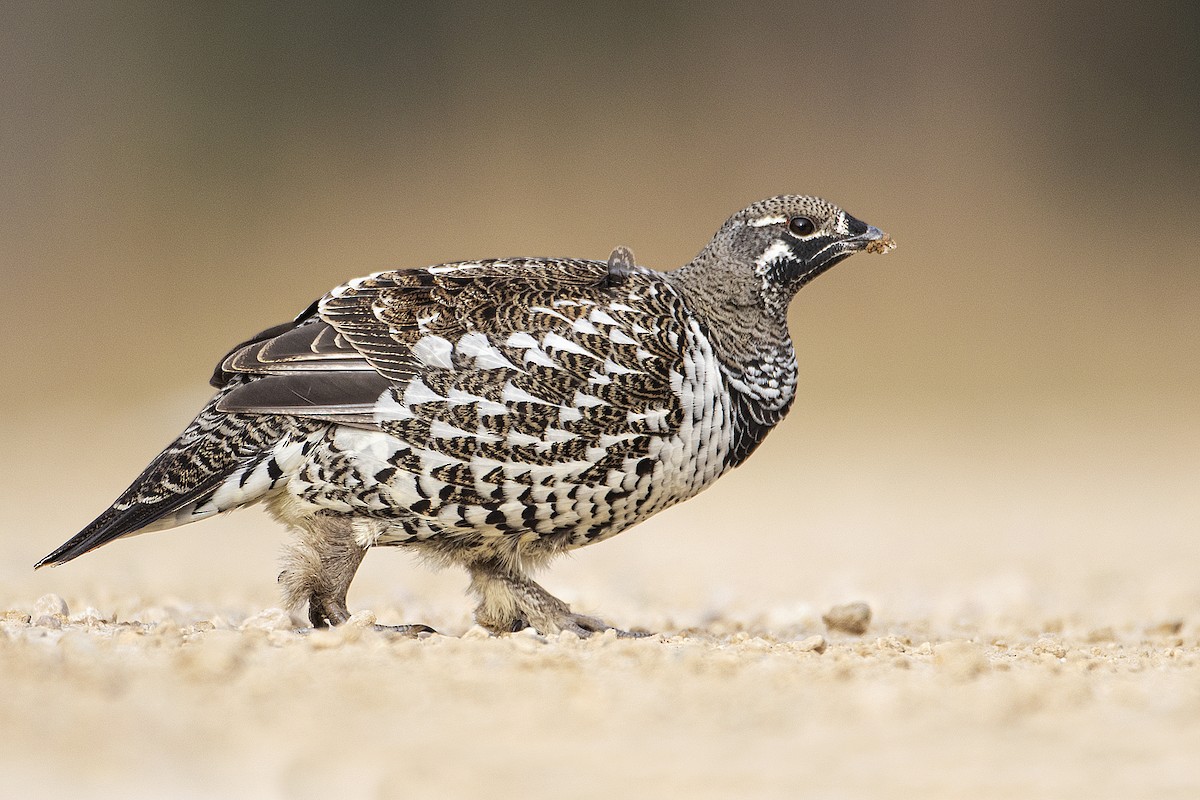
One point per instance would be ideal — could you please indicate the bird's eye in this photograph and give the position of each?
(802, 226)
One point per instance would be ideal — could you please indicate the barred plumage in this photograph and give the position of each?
(496, 413)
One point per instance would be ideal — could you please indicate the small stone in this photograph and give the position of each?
(49, 621)
(49, 605)
(477, 632)
(960, 660)
(853, 618)
(362, 619)
(813, 644)
(605, 637)
(529, 633)
(1048, 646)
(270, 619)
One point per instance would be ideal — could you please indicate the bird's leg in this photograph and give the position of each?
(510, 601)
(319, 567)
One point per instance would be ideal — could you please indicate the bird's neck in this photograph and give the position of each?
(749, 334)
(751, 342)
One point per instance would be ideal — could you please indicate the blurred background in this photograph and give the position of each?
(1001, 413)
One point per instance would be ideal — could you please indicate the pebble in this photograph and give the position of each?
(853, 618)
(361, 619)
(813, 644)
(49, 605)
(1048, 646)
(607, 637)
(477, 632)
(269, 619)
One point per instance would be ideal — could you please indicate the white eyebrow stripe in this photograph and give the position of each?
(764, 221)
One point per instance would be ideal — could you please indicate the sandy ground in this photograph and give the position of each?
(185, 702)
(1029, 638)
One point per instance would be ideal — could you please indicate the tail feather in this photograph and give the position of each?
(117, 522)
(220, 461)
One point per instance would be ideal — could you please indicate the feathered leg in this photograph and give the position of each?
(319, 567)
(510, 601)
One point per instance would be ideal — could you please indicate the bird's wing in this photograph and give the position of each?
(500, 329)
(501, 385)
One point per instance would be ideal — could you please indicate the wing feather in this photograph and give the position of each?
(339, 360)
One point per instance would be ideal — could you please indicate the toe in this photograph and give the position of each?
(584, 626)
(412, 631)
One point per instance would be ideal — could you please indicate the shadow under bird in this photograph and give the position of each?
(496, 413)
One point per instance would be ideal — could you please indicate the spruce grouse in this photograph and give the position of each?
(496, 413)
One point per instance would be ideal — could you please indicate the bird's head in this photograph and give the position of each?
(766, 252)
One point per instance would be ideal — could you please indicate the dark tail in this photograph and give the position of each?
(116, 521)
(221, 461)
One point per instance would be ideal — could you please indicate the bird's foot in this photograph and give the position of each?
(584, 626)
(511, 601)
(325, 611)
(412, 631)
(581, 625)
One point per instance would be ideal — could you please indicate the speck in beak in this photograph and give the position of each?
(877, 241)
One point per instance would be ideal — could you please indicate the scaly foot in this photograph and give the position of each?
(412, 631)
(512, 602)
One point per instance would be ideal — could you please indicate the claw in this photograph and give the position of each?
(584, 626)
(412, 631)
